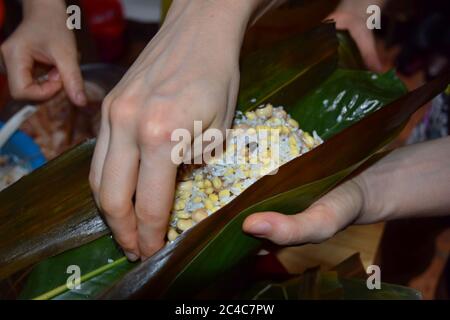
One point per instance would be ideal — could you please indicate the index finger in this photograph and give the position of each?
(154, 198)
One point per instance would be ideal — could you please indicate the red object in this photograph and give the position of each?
(106, 24)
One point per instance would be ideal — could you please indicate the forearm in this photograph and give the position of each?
(413, 181)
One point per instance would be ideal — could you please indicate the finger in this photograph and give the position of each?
(365, 40)
(22, 85)
(117, 188)
(154, 198)
(69, 69)
(319, 222)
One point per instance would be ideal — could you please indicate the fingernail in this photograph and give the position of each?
(260, 228)
(81, 99)
(131, 256)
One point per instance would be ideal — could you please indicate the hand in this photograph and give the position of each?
(188, 72)
(319, 222)
(351, 15)
(44, 38)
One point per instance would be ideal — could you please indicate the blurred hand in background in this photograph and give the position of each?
(43, 38)
(352, 15)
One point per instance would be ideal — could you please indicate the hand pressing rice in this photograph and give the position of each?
(271, 137)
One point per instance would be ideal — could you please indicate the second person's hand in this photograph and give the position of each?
(44, 38)
(411, 181)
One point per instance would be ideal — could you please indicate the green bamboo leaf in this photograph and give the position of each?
(51, 210)
(312, 116)
(233, 245)
(349, 55)
(356, 289)
(93, 287)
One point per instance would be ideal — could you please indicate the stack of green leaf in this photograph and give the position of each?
(50, 221)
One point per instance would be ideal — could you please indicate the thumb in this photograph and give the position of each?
(70, 73)
(319, 222)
